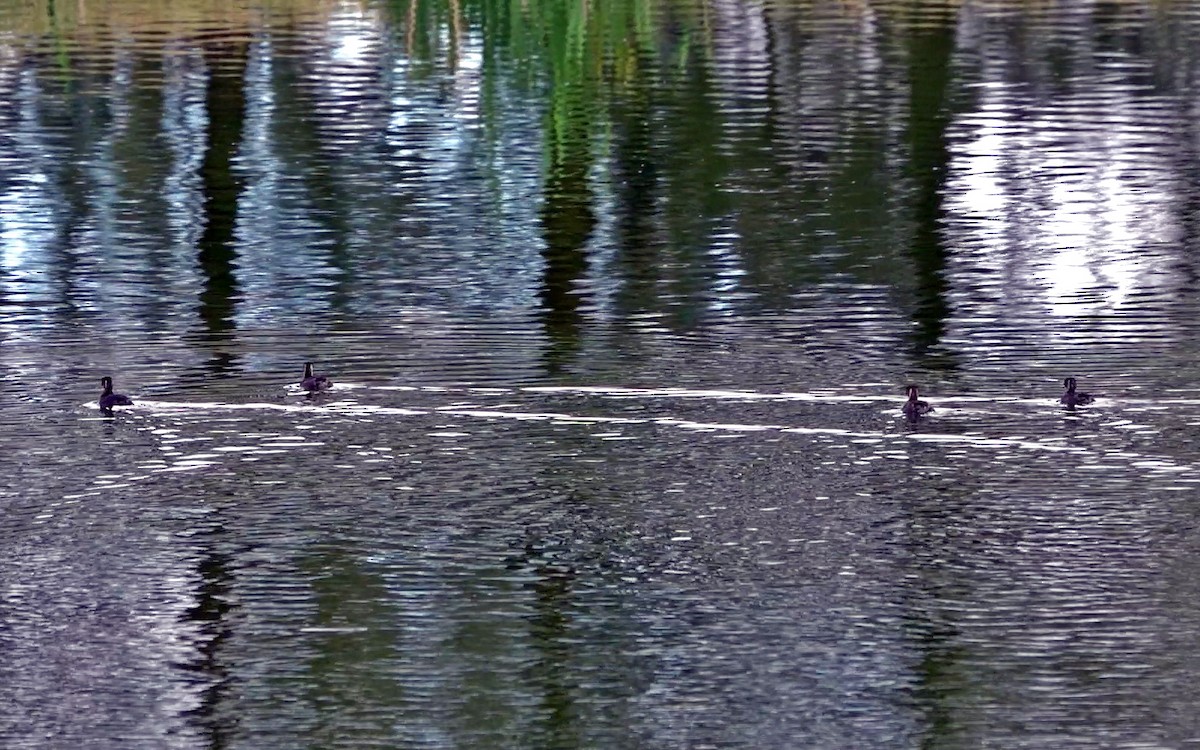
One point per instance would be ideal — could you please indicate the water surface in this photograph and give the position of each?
(620, 300)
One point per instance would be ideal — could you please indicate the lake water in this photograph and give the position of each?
(620, 300)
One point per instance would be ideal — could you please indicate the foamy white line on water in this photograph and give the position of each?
(251, 406)
(356, 409)
(710, 394)
(198, 461)
(621, 392)
(935, 399)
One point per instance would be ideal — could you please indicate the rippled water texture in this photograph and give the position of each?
(619, 300)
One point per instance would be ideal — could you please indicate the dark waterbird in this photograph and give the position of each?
(313, 382)
(1073, 397)
(914, 408)
(108, 399)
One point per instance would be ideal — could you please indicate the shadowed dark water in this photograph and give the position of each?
(620, 301)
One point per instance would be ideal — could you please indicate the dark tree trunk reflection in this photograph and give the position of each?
(931, 48)
(567, 222)
(226, 105)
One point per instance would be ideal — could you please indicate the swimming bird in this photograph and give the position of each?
(914, 407)
(1073, 397)
(108, 399)
(314, 382)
